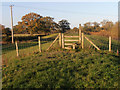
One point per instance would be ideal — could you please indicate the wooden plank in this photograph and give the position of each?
(109, 43)
(17, 49)
(67, 47)
(39, 44)
(82, 40)
(62, 40)
(92, 43)
(68, 43)
(71, 40)
(53, 42)
(72, 36)
(80, 33)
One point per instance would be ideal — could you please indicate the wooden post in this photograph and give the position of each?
(16, 48)
(117, 52)
(79, 33)
(62, 40)
(39, 44)
(12, 24)
(73, 46)
(82, 40)
(110, 43)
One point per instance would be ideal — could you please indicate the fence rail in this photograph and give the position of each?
(92, 43)
(72, 40)
(72, 36)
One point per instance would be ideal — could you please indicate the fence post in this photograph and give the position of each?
(117, 52)
(16, 48)
(39, 44)
(110, 43)
(82, 40)
(79, 33)
(62, 40)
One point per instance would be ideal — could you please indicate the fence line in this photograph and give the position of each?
(67, 40)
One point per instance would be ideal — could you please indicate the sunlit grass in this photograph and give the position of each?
(59, 68)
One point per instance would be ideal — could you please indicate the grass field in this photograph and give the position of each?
(59, 68)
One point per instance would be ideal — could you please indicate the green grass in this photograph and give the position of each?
(63, 69)
(58, 68)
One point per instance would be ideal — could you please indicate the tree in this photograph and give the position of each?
(64, 25)
(20, 29)
(96, 24)
(29, 22)
(6, 31)
(75, 29)
(106, 25)
(48, 24)
(1, 28)
(34, 23)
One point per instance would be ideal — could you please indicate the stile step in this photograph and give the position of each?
(68, 43)
(67, 48)
(71, 40)
(72, 36)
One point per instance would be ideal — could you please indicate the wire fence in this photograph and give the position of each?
(31, 47)
(25, 48)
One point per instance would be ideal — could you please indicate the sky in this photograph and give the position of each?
(75, 12)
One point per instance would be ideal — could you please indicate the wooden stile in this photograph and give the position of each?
(67, 48)
(17, 48)
(53, 42)
(92, 43)
(68, 44)
(62, 40)
(110, 43)
(39, 44)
